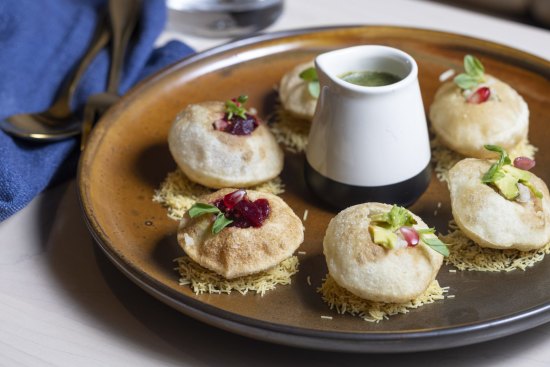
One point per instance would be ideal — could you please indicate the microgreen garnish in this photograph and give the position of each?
(235, 107)
(396, 218)
(494, 173)
(310, 75)
(399, 217)
(200, 208)
(505, 177)
(221, 221)
(428, 237)
(474, 73)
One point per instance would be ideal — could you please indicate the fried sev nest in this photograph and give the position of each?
(343, 301)
(202, 280)
(465, 254)
(178, 193)
(291, 132)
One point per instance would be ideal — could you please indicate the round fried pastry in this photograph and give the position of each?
(466, 127)
(218, 159)
(294, 93)
(236, 252)
(367, 269)
(489, 219)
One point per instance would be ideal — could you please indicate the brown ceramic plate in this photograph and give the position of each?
(128, 157)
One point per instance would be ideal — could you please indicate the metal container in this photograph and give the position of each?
(222, 18)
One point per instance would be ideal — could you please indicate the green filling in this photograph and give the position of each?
(383, 237)
(396, 218)
(505, 177)
(508, 186)
(384, 225)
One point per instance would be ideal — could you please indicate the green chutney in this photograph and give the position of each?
(368, 78)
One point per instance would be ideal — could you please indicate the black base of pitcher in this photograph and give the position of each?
(340, 195)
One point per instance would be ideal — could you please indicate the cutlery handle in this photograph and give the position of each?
(61, 107)
(123, 15)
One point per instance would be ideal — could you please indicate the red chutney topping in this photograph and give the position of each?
(243, 212)
(236, 120)
(237, 125)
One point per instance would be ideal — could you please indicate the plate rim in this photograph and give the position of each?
(378, 342)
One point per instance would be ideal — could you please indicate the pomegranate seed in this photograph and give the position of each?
(231, 199)
(524, 163)
(480, 95)
(410, 235)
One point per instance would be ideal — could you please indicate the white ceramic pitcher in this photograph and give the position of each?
(368, 143)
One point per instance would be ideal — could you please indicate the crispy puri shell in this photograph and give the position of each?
(367, 269)
(466, 127)
(217, 159)
(489, 219)
(294, 93)
(236, 252)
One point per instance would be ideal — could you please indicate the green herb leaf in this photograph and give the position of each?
(472, 66)
(220, 223)
(396, 218)
(504, 158)
(400, 217)
(465, 81)
(490, 175)
(493, 173)
(236, 108)
(314, 89)
(242, 99)
(309, 75)
(199, 209)
(474, 73)
(435, 244)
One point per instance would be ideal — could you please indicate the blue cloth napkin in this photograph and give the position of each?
(40, 42)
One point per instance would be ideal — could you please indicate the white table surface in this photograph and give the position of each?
(62, 303)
